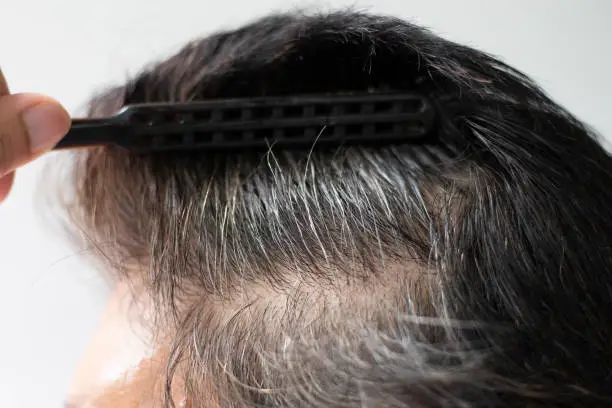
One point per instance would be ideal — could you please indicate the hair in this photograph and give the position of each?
(365, 276)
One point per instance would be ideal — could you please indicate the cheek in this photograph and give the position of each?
(120, 361)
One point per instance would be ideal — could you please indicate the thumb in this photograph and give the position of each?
(30, 125)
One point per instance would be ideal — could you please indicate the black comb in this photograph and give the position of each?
(239, 124)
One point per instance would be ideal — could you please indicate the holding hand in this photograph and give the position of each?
(30, 125)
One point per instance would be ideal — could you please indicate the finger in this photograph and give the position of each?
(6, 183)
(29, 126)
(4, 89)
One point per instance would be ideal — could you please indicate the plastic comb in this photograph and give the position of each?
(240, 124)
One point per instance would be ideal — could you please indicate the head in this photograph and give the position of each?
(354, 276)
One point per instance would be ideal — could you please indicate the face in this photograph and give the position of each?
(122, 366)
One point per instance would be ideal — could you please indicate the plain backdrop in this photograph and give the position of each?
(50, 297)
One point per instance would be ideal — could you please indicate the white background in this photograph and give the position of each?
(49, 297)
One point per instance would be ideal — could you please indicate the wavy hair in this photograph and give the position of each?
(365, 276)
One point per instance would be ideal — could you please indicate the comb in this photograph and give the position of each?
(252, 123)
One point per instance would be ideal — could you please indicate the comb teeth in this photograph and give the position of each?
(243, 124)
(288, 122)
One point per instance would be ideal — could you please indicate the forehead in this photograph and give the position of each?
(121, 360)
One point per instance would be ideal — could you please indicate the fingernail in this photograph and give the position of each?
(46, 123)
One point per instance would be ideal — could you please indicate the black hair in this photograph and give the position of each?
(359, 277)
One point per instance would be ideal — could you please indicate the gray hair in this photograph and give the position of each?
(398, 276)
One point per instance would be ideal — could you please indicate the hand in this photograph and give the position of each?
(30, 125)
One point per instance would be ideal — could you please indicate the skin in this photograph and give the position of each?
(120, 368)
(123, 366)
(45, 117)
(30, 125)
